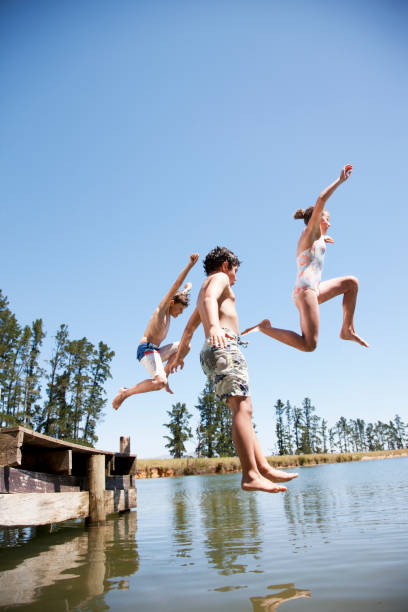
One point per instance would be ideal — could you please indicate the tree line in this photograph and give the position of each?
(298, 430)
(301, 431)
(65, 399)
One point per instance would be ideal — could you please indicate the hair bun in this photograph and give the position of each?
(299, 214)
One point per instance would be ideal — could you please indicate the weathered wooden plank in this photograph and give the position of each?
(34, 438)
(17, 480)
(52, 461)
(10, 443)
(124, 464)
(124, 445)
(60, 462)
(22, 509)
(109, 465)
(118, 482)
(3, 480)
(118, 501)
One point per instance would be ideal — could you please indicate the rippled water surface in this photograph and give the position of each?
(337, 540)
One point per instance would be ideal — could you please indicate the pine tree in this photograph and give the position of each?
(297, 428)
(288, 429)
(280, 429)
(323, 434)
(315, 440)
(57, 384)
(400, 431)
(224, 445)
(10, 333)
(214, 430)
(207, 407)
(343, 429)
(380, 432)
(15, 403)
(80, 352)
(95, 400)
(332, 442)
(33, 375)
(179, 429)
(306, 442)
(370, 437)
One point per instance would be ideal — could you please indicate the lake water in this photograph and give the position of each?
(336, 541)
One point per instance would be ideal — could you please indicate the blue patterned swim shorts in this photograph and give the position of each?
(226, 368)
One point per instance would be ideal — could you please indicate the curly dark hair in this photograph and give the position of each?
(215, 258)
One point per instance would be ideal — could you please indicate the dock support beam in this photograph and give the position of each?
(96, 487)
(125, 445)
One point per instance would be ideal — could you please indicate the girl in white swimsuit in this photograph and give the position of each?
(309, 290)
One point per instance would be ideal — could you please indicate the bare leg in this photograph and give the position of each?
(145, 386)
(243, 436)
(308, 307)
(267, 470)
(348, 286)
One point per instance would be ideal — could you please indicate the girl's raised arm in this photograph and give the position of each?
(314, 224)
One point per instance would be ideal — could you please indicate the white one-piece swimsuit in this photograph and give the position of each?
(310, 265)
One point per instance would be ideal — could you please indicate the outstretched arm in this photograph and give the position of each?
(179, 281)
(184, 346)
(314, 223)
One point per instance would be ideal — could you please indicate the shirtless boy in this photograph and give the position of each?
(225, 365)
(148, 351)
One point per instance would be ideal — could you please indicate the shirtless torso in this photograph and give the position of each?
(219, 285)
(158, 326)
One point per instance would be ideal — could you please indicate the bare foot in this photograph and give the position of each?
(119, 398)
(275, 475)
(167, 388)
(261, 484)
(348, 333)
(259, 327)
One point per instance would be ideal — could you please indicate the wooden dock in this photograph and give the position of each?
(44, 480)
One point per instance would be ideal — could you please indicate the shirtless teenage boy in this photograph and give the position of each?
(148, 352)
(225, 365)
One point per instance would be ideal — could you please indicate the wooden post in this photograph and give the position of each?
(125, 445)
(96, 487)
(96, 568)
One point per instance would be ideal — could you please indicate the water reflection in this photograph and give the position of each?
(307, 510)
(182, 524)
(329, 495)
(312, 510)
(272, 601)
(70, 566)
(231, 525)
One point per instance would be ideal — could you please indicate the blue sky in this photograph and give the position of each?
(135, 133)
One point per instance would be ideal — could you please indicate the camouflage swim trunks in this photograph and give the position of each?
(226, 368)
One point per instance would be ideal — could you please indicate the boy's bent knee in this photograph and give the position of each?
(160, 381)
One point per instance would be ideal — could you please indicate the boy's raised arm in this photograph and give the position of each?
(184, 346)
(179, 280)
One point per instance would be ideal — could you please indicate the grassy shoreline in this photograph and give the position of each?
(189, 466)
